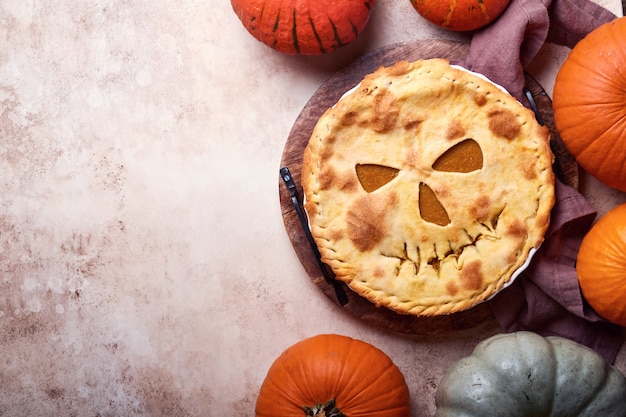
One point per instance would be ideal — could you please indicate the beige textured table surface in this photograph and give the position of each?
(144, 265)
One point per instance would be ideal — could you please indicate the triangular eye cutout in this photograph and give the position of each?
(463, 157)
(431, 209)
(373, 176)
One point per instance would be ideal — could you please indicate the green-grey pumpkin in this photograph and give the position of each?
(523, 374)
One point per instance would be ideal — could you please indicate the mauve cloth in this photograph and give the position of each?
(546, 298)
(502, 50)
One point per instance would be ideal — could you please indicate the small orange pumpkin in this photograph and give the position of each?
(460, 15)
(309, 27)
(601, 266)
(332, 375)
(590, 103)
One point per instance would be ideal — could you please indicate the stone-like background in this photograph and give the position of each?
(144, 266)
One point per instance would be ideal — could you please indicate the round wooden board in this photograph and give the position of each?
(326, 96)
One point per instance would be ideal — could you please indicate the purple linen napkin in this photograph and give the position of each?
(546, 298)
(502, 50)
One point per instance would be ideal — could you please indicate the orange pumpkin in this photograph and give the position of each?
(460, 15)
(590, 103)
(332, 375)
(307, 27)
(601, 266)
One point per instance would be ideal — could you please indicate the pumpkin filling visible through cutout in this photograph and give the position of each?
(372, 176)
(431, 209)
(427, 187)
(465, 156)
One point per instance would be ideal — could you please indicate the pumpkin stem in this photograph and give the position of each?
(323, 410)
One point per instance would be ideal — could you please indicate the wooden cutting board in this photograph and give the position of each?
(327, 95)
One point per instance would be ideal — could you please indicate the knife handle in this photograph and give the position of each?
(288, 180)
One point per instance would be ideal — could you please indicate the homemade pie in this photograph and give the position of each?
(427, 187)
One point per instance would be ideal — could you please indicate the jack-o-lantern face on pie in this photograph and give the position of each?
(427, 187)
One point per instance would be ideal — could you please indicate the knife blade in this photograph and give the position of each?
(285, 174)
(558, 170)
(533, 106)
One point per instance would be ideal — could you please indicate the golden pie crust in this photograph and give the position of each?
(427, 187)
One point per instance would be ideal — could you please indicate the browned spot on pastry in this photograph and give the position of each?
(480, 208)
(392, 200)
(399, 68)
(528, 167)
(455, 130)
(349, 118)
(480, 99)
(472, 276)
(327, 151)
(326, 178)
(443, 191)
(411, 158)
(379, 272)
(366, 220)
(412, 124)
(347, 182)
(336, 234)
(451, 288)
(503, 123)
(385, 112)
(517, 230)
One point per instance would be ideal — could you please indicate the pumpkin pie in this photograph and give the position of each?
(427, 187)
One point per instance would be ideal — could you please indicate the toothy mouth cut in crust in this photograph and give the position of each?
(427, 187)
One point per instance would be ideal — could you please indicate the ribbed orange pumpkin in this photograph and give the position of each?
(460, 15)
(332, 375)
(307, 27)
(601, 266)
(590, 103)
